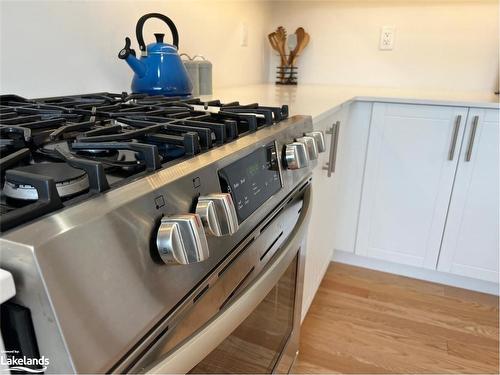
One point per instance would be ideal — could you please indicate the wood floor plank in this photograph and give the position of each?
(365, 321)
(409, 317)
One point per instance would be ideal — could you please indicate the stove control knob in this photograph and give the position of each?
(218, 214)
(181, 239)
(296, 155)
(312, 148)
(319, 136)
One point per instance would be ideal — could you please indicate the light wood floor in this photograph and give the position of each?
(364, 321)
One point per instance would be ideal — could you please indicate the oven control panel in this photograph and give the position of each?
(252, 180)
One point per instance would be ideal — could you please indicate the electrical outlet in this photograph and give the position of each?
(387, 38)
(243, 35)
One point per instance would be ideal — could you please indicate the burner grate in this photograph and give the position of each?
(112, 138)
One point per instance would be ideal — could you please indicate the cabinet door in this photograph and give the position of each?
(470, 242)
(408, 181)
(319, 241)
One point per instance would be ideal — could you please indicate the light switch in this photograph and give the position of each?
(387, 38)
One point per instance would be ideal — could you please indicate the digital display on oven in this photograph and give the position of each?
(252, 180)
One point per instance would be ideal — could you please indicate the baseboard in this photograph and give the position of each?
(416, 273)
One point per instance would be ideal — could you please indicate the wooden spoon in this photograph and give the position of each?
(299, 34)
(303, 39)
(291, 42)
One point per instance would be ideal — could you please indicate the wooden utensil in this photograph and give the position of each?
(278, 42)
(272, 41)
(281, 41)
(299, 34)
(278, 46)
(291, 42)
(302, 41)
(281, 32)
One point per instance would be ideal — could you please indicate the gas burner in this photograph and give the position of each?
(112, 154)
(69, 181)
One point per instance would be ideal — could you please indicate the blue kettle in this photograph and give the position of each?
(160, 70)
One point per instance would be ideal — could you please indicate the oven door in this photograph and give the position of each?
(255, 330)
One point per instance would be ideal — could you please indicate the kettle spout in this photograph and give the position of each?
(128, 54)
(137, 65)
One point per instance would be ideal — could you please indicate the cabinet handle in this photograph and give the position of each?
(331, 132)
(471, 138)
(454, 137)
(336, 145)
(332, 157)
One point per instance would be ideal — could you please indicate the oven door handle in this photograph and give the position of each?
(195, 348)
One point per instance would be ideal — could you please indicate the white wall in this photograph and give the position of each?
(438, 44)
(61, 47)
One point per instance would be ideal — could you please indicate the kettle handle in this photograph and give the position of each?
(168, 21)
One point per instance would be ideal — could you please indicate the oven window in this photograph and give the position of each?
(256, 345)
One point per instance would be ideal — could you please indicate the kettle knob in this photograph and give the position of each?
(159, 37)
(126, 51)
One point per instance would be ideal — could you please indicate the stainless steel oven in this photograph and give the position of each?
(195, 267)
(248, 320)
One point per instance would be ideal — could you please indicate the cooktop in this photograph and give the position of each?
(58, 151)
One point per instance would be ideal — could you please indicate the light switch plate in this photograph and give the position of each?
(387, 38)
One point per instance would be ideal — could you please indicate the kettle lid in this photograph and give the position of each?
(160, 46)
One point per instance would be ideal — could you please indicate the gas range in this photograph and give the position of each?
(134, 224)
(87, 144)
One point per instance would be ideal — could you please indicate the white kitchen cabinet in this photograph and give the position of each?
(319, 245)
(336, 197)
(470, 243)
(408, 181)
(345, 195)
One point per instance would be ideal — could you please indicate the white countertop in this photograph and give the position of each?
(321, 100)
